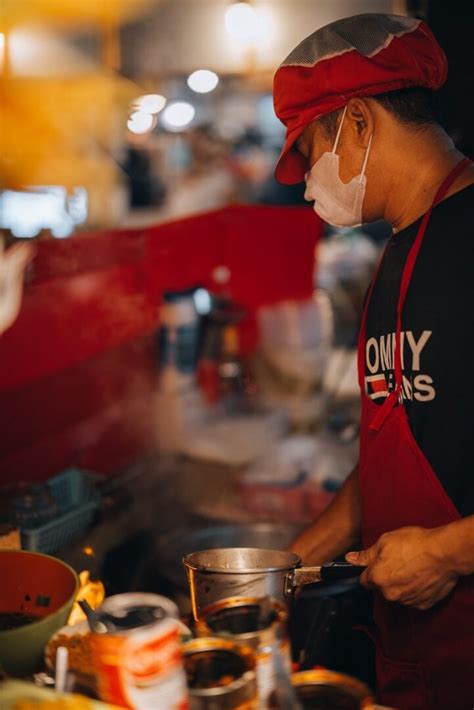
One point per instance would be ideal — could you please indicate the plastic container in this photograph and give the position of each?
(32, 505)
(77, 500)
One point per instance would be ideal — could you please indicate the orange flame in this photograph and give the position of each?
(92, 591)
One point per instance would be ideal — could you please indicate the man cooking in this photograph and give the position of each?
(357, 100)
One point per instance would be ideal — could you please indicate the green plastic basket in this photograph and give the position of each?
(77, 500)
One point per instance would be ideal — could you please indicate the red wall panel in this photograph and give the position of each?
(78, 371)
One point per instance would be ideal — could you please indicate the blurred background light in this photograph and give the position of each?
(203, 81)
(26, 213)
(150, 103)
(202, 301)
(243, 22)
(178, 115)
(140, 122)
(42, 52)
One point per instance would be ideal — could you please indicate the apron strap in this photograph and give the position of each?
(397, 394)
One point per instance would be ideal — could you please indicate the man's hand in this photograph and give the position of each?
(13, 263)
(408, 567)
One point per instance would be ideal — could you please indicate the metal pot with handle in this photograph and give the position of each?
(253, 572)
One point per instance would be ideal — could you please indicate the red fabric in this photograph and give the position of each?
(305, 93)
(78, 366)
(425, 659)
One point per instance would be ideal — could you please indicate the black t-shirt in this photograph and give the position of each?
(438, 341)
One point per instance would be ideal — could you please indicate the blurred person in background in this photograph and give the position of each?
(357, 100)
(207, 182)
(251, 163)
(142, 166)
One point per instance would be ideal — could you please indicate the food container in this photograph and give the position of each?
(136, 652)
(251, 572)
(34, 588)
(327, 690)
(258, 623)
(221, 675)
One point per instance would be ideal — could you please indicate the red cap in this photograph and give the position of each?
(363, 55)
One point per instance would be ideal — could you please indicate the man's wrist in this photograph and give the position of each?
(453, 546)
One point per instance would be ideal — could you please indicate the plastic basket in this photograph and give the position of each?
(77, 500)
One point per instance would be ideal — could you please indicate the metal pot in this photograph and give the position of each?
(252, 572)
(173, 546)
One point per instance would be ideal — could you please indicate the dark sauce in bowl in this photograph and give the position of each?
(15, 619)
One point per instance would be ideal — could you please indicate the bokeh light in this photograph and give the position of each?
(150, 103)
(178, 115)
(242, 21)
(140, 122)
(203, 81)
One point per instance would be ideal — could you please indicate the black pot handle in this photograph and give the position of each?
(337, 571)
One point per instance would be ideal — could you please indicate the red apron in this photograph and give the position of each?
(425, 659)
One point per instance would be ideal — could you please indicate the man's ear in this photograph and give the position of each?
(305, 141)
(360, 116)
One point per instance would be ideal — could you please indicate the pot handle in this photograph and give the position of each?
(330, 572)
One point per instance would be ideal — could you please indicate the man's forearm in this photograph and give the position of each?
(455, 545)
(336, 530)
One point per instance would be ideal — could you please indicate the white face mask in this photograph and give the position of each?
(336, 202)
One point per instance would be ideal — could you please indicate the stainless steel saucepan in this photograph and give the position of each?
(253, 572)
